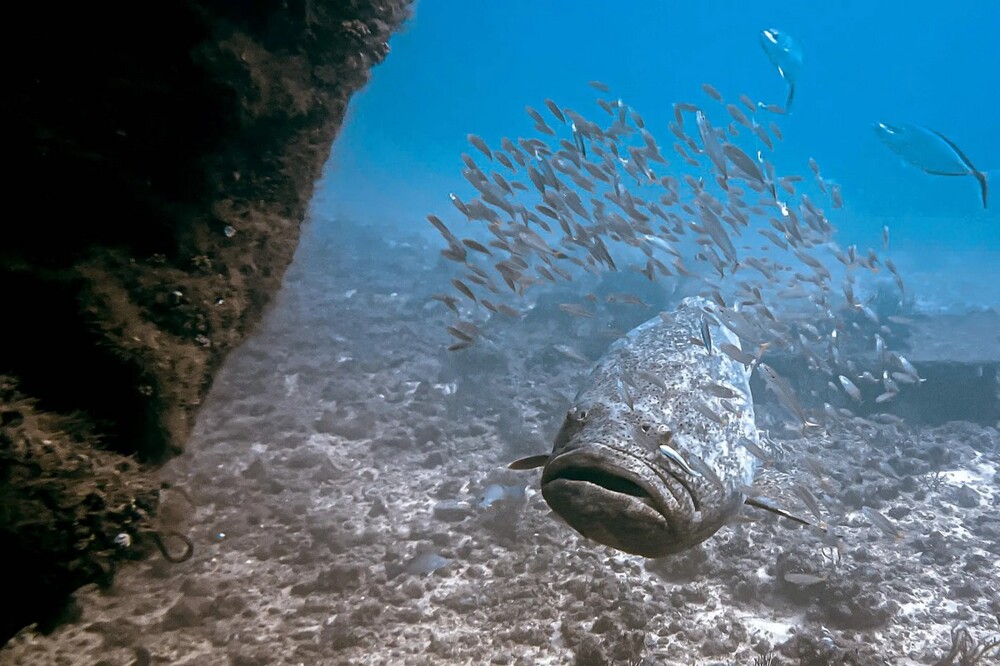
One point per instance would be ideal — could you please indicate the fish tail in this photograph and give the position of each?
(983, 184)
(806, 425)
(791, 97)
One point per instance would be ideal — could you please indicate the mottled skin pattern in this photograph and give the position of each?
(611, 483)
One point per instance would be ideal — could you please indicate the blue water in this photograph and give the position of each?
(471, 67)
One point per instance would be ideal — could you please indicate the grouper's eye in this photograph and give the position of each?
(580, 415)
(645, 427)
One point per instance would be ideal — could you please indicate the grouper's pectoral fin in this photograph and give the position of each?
(531, 462)
(767, 505)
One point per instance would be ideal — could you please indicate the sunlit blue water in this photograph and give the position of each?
(461, 67)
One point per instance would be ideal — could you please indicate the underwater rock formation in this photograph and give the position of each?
(167, 170)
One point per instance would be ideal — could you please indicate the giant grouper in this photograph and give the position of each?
(653, 456)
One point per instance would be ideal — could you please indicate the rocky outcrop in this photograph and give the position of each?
(162, 173)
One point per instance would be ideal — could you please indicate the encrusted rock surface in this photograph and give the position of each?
(163, 172)
(359, 570)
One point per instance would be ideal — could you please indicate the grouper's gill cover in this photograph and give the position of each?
(607, 476)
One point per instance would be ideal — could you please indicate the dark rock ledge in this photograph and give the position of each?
(163, 157)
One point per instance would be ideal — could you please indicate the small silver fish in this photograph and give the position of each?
(737, 354)
(757, 452)
(572, 353)
(783, 391)
(850, 388)
(496, 492)
(744, 164)
(737, 114)
(706, 335)
(711, 142)
(464, 289)
(836, 197)
(450, 301)
(460, 205)
(905, 365)
(442, 229)
(630, 299)
(578, 140)
(887, 396)
(808, 499)
(718, 390)
(555, 110)
(460, 334)
(652, 379)
(480, 145)
(703, 469)
(575, 310)
(707, 411)
(711, 92)
(903, 378)
(426, 563)
(889, 383)
(624, 393)
(676, 458)
(804, 579)
(476, 246)
(816, 469)
(883, 523)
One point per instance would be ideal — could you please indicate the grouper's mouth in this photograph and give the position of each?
(616, 500)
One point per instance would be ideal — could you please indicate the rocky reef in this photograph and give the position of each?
(163, 172)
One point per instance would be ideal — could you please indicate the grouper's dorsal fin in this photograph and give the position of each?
(531, 462)
(767, 505)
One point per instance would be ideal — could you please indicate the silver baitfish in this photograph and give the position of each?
(609, 475)
(497, 492)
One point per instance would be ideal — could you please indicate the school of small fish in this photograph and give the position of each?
(592, 201)
(601, 195)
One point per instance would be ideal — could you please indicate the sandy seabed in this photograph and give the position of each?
(342, 441)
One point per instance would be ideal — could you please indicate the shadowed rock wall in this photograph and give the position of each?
(162, 173)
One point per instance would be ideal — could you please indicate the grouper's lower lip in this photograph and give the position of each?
(608, 504)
